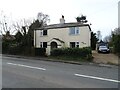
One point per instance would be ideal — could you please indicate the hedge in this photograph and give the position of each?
(85, 52)
(40, 51)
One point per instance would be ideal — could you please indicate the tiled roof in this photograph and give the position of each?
(65, 25)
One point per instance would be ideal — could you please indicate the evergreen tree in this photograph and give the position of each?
(93, 40)
(81, 19)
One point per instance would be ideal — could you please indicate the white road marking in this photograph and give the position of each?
(92, 77)
(26, 66)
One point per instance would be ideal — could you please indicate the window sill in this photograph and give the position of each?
(44, 36)
(74, 34)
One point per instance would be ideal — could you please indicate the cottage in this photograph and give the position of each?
(62, 35)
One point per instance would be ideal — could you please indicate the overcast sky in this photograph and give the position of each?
(102, 14)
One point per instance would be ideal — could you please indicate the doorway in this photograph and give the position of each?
(53, 45)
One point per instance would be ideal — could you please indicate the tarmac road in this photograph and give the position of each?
(24, 73)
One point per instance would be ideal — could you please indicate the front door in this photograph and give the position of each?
(53, 45)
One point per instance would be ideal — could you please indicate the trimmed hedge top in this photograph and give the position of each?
(73, 52)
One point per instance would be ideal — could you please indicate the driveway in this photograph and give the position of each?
(105, 58)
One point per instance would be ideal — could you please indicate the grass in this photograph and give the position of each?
(111, 63)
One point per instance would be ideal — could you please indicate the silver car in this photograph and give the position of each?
(103, 49)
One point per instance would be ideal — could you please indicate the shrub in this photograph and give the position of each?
(116, 45)
(57, 52)
(40, 51)
(5, 47)
(14, 50)
(85, 53)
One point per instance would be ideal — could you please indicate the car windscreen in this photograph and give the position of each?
(102, 47)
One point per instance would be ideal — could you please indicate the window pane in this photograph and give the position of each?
(45, 44)
(77, 30)
(44, 32)
(72, 44)
(72, 30)
(41, 33)
(77, 44)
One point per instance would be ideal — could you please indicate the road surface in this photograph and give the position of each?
(24, 73)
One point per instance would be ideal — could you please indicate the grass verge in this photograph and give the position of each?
(68, 58)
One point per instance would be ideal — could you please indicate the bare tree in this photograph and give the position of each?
(8, 25)
(18, 26)
(107, 38)
(5, 24)
(44, 18)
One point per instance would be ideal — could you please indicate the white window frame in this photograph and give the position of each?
(41, 33)
(75, 30)
(41, 45)
(77, 44)
(70, 30)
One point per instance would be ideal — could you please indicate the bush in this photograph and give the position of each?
(5, 47)
(40, 51)
(85, 53)
(57, 52)
(116, 45)
(14, 50)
